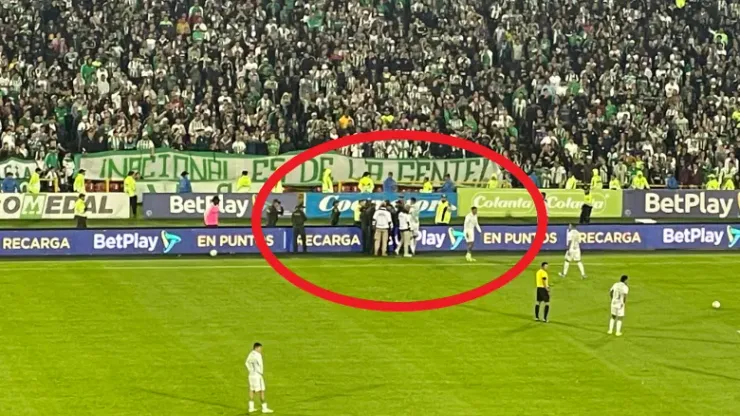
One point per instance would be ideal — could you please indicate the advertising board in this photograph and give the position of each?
(561, 203)
(681, 203)
(163, 206)
(438, 239)
(60, 206)
(319, 205)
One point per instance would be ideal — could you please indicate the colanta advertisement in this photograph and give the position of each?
(561, 203)
(178, 241)
(319, 205)
(159, 206)
(692, 203)
(60, 206)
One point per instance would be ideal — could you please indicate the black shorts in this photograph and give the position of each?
(543, 295)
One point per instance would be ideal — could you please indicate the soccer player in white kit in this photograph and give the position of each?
(574, 251)
(469, 228)
(618, 293)
(256, 381)
(414, 223)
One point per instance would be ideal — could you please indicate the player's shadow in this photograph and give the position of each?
(189, 399)
(531, 323)
(345, 393)
(708, 341)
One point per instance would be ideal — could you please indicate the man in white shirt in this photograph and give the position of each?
(382, 221)
(469, 228)
(618, 293)
(573, 253)
(404, 228)
(256, 381)
(414, 223)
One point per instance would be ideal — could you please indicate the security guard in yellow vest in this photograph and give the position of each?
(444, 212)
(596, 181)
(493, 182)
(129, 187)
(327, 182)
(34, 183)
(712, 183)
(729, 184)
(367, 185)
(427, 188)
(357, 212)
(81, 211)
(588, 205)
(614, 184)
(79, 185)
(244, 183)
(571, 183)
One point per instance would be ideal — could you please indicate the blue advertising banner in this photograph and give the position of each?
(175, 241)
(593, 237)
(681, 203)
(162, 206)
(319, 205)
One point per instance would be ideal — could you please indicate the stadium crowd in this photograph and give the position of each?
(562, 87)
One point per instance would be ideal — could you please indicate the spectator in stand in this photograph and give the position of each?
(448, 186)
(184, 187)
(9, 184)
(389, 184)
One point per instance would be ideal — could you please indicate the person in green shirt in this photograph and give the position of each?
(493, 182)
(273, 146)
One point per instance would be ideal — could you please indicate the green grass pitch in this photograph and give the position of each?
(166, 337)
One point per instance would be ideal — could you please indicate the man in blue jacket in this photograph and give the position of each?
(184, 187)
(448, 187)
(389, 184)
(9, 184)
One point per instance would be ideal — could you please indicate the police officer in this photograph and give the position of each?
(298, 218)
(588, 205)
(335, 213)
(81, 211)
(274, 212)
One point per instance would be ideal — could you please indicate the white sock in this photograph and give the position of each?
(251, 405)
(413, 244)
(619, 326)
(565, 268)
(264, 405)
(611, 325)
(580, 267)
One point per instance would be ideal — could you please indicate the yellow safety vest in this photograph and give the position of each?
(80, 209)
(278, 189)
(729, 185)
(367, 185)
(79, 185)
(443, 213)
(34, 183)
(713, 185)
(492, 183)
(427, 188)
(589, 200)
(129, 186)
(327, 184)
(357, 212)
(244, 183)
(571, 183)
(614, 184)
(596, 182)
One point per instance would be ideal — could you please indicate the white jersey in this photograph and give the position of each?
(619, 293)
(470, 226)
(574, 241)
(404, 221)
(254, 364)
(414, 213)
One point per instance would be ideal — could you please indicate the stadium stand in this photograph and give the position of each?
(561, 87)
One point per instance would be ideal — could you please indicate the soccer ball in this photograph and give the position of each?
(213, 253)
(715, 304)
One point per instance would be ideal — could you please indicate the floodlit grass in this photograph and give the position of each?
(169, 337)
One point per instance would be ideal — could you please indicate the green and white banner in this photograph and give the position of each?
(165, 164)
(561, 203)
(20, 168)
(208, 187)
